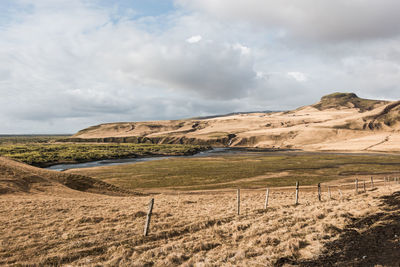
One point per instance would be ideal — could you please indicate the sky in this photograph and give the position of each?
(69, 64)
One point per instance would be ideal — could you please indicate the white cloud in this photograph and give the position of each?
(298, 76)
(194, 39)
(318, 20)
(243, 49)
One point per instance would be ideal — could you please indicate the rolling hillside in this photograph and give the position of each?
(340, 121)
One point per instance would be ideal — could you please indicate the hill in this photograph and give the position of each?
(339, 121)
(16, 177)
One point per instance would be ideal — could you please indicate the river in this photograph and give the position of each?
(209, 153)
(111, 162)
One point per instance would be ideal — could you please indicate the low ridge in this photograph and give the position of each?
(19, 177)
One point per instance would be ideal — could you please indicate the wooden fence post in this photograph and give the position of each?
(319, 191)
(341, 195)
(364, 187)
(266, 199)
(147, 225)
(356, 187)
(297, 193)
(372, 182)
(329, 192)
(238, 201)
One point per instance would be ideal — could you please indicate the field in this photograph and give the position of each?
(46, 221)
(43, 151)
(250, 170)
(24, 139)
(81, 229)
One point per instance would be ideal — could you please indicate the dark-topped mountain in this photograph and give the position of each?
(340, 121)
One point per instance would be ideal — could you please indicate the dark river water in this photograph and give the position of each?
(208, 153)
(111, 162)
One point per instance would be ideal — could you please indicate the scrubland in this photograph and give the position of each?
(203, 229)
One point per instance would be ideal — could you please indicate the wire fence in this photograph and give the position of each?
(359, 186)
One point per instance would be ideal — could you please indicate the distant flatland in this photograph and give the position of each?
(339, 122)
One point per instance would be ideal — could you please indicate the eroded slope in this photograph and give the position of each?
(339, 121)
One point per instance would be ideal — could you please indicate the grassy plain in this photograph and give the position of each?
(27, 139)
(84, 229)
(43, 151)
(250, 170)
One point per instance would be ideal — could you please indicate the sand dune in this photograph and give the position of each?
(338, 122)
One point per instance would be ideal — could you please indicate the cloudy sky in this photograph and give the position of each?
(69, 64)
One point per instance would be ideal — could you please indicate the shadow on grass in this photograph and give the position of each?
(369, 241)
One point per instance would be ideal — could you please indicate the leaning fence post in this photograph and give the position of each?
(356, 186)
(319, 191)
(372, 182)
(147, 225)
(364, 187)
(329, 192)
(297, 193)
(238, 201)
(266, 199)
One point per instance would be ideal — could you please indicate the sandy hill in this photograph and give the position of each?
(340, 121)
(19, 177)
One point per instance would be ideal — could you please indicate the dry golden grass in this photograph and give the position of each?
(189, 229)
(19, 177)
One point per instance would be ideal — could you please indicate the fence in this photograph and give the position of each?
(370, 183)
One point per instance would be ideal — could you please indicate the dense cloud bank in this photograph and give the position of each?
(65, 65)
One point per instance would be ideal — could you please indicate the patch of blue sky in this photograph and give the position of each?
(11, 12)
(136, 9)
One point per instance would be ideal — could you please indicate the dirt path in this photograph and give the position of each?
(387, 138)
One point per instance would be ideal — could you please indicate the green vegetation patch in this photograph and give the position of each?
(44, 154)
(248, 171)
